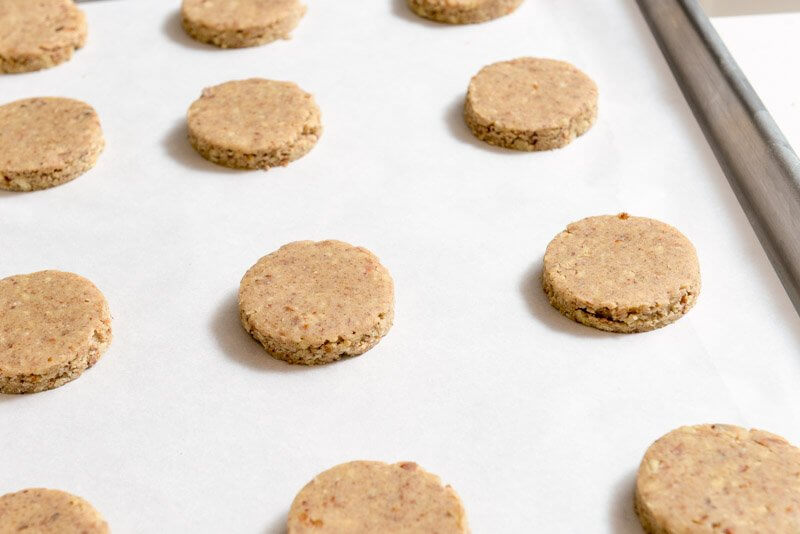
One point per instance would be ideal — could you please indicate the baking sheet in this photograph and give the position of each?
(186, 425)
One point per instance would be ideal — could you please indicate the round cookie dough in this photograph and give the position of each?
(719, 479)
(377, 497)
(621, 273)
(530, 104)
(241, 23)
(53, 326)
(315, 302)
(462, 11)
(39, 34)
(254, 124)
(45, 142)
(47, 511)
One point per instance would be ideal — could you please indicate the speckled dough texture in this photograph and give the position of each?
(530, 104)
(45, 142)
(240, 23)
(46, 511)
(374, 497)
(621, 273)
(37, 34)
(719, 479)
(254, 124)
(53, 326)
(315, 302)
(462, 11)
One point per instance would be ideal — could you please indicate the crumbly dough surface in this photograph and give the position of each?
(37, 34)
(315, 302)
(462, 11)
(53, 326)
(719, 479)
(45, 142)
(530, 104)
(254, 124)
(240, 23)
(47, 511)
(621, 273)
(376, 497)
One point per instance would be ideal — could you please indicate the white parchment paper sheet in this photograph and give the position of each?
(186, 425)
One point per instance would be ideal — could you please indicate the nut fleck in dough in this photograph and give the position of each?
(53, 326)
(46, 511)
(38, 34)
(621, 273)
(315, 302)
(462, 11)
(45, 142)
(530, 104)
(719, 479)
(241, 23)
(374, 497)
(254, 124)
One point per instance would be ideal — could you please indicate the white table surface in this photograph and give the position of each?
(726, 8)
(186, 425)
(765, 47)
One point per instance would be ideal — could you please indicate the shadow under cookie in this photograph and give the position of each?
(530, 289)
(240, 347)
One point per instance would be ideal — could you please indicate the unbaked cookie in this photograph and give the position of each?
(254, 124)
(47, 511)
(45, 142)
(53, 326)
(37, 34)
(377, 497)
(315, 302)
(462, 11)
(530, 104)
(241, 23)
(621, 273)
(719, 479)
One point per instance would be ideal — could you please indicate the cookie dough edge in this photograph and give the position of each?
(328, 352)
(528, 141)
(52, 57)
(70, 370)
(37, 180)
(243, 38)
(463, 16)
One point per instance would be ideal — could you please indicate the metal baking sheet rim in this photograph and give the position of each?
(760, 164)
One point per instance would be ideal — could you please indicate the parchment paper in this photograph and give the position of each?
(186, 425)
